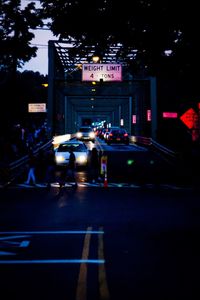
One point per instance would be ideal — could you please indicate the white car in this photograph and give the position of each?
(78, 147)
(86, 133)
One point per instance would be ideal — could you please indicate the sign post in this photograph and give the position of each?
(191, 119)
(104, 160)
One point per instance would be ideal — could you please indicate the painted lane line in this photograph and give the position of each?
(4, 238)
(103, 286)
(24, 244)
(5, 253)
(52, 261)
(81, 291)
(6, 242)
(10, 244)
(52, 232)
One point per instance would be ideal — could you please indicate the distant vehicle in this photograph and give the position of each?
(106, 134)
(101, 134)
(78, 147)
(98, 131)
(85, 133)
(118, 136)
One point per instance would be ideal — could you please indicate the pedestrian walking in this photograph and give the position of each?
(31, 169)
(41, 166)
(50, 168)
(71, 170)
(94, 165)
(62, 178)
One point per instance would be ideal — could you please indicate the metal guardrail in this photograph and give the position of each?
(8, 172)
(167, 153)
(141, 140)
(164, 149)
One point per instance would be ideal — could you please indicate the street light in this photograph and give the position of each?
(95, 59)
(45, 85)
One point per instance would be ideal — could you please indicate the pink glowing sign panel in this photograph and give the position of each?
(148, 115)
(134, 119)
(170, 115)
(104, 72)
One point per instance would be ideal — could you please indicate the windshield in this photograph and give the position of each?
(85, 129)
(75, 147)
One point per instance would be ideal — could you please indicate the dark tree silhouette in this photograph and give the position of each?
(15, 33)
(164, 33)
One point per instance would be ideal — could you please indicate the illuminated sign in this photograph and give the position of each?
(148, 115)
(134, 119)
(189, 118)
(37, 107)
(170, 115)
(104, 72)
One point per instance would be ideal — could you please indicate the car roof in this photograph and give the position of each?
(118, 129)
(72, 142)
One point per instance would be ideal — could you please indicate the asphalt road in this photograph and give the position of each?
(99, 243)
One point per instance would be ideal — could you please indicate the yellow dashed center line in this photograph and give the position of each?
(81, 292)
(103, 287)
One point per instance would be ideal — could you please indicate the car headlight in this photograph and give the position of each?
(60, 159)
(92, 135)
(79, 134)
(82, 159)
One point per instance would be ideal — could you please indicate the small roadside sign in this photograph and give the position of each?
(104, 160)
(37, 107)
(189, 118)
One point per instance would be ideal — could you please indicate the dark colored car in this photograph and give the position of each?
(118, 136)
(108, 131)
(103, 131)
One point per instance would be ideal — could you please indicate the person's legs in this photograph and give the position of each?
(31, 176)
(72, 176)
(28, 177)
(34, 178)
(50, 176)
(28, 181)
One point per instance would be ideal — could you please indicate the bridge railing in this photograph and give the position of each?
(169, 154)
(9, 171)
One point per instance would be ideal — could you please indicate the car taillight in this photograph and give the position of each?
(125, 134)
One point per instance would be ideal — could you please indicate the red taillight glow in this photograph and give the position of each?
(125, 134)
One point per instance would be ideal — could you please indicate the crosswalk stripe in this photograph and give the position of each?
(111, 185)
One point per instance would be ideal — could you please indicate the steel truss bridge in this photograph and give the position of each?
(71, 100)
